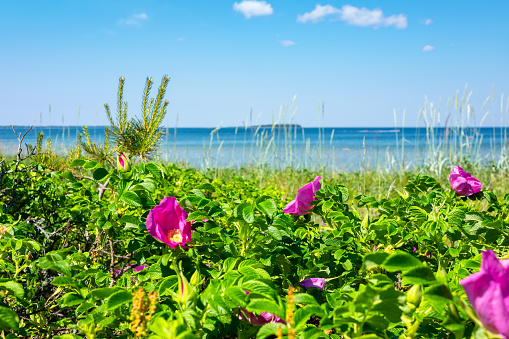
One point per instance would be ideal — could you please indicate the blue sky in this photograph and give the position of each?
(361, 59)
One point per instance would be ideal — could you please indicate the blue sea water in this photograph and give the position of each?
(309, 147)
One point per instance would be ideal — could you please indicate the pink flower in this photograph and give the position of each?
(488, 293)
(313, 282)
(305, 195)
(167, 222)
(140, 268)
(262, 319)
(462, 183)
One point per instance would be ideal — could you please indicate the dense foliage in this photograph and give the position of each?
(76, 258)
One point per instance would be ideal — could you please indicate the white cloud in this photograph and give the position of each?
(318, 14)
(355, 16)
(135, 19)
(427, 22)
(428, 48)
(253, 8)
(287, 43)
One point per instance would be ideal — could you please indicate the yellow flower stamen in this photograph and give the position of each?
(174, 235)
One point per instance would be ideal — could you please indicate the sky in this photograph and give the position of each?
(331, 63)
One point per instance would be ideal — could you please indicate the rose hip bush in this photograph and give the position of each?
(164, 252)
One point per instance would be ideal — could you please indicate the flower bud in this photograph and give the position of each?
(414, 295)
(196, 279)
(123, 163)
(186, 296)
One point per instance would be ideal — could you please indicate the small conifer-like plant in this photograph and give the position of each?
(139, 136)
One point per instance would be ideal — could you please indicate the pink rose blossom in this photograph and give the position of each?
(305, 195)
(488, 293)
(167, 222)
(313, 282)
(462, 183)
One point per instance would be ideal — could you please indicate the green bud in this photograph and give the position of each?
(196, 278)
(414, 295)
(123, 163)
(441, 273)
(186, 292)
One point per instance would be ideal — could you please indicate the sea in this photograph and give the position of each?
(279, 146)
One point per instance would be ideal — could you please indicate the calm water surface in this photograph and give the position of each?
(311, 147)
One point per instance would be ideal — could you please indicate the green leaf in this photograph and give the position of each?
(438, 293)
(197, 215)
(8, 319)
(99, 173)
(67, 336)
(265, 305)
(419, 276)
(68, 175)
(247, 214)
(304, 298)
(237, 294)
(274, 232)
(168, 285)
(271, 329)
(155, 170)
(90, 164)
(266, 205)
(102, 293)
(71, 299)
(400, 261)
(118, 299)
(131, 198)
(77, 162)
(206, 187)
(302, 315)
(14, 288)
(63, 281)
(259, 287)
(374, 260)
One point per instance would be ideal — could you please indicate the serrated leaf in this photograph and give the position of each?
(237, 294)
(131, 198)
(266, 205)
(118, 299)
(247, 214)
(274, 232)
(168, 285)
(155, 170)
